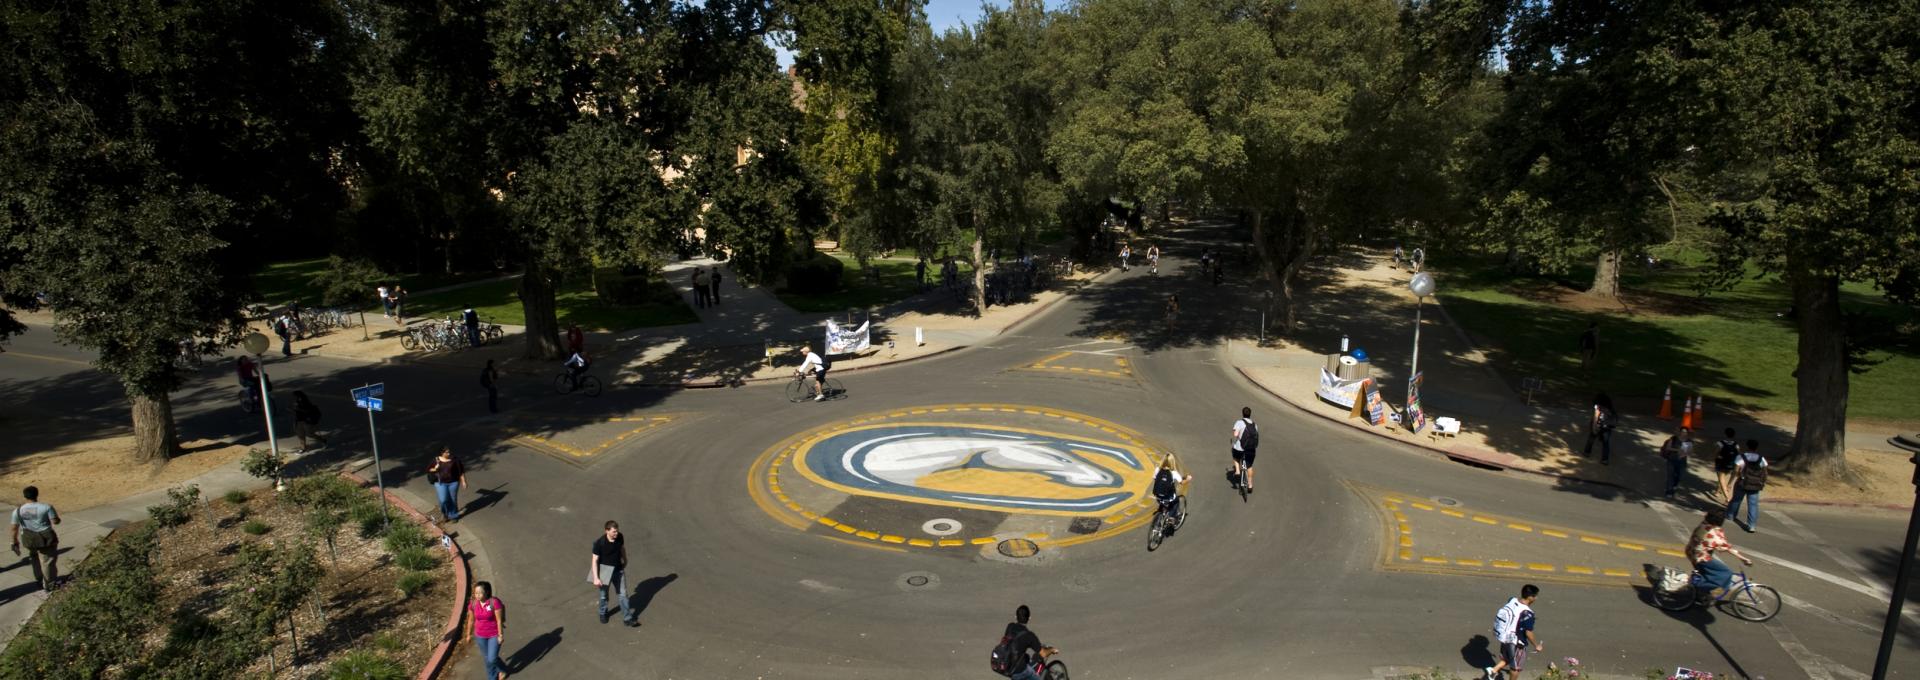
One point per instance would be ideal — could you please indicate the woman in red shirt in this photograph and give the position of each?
(488, 626)
(1707, 540)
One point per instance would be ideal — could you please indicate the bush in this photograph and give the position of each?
(622, 285)
(255, 527)
(412, 582)
(814, 275)
(365, 665)
(109, 603)
(388, 642)
(404, 536)
(415, 559)
(368, 516)
(326, 491)
(236, 497)
(262, 463)
(177, 509)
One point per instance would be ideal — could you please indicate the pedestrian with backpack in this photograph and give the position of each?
(1676, 450)
(1600, 423)
(1020, 655)
(306, 421)
(1246, 440)
(1723, 460)
(1750, 475)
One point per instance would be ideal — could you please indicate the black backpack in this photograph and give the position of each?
(826, 362)
(1606, 418)
(1753, 477)
(1002, 660)
(1250, 437)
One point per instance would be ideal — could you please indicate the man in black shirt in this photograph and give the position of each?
(609, 570)
(1028, 652)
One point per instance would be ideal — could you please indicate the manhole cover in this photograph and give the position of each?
(1019, 547)
(1443, 500)
(941, 527)
(1084, 525)
(918, 580)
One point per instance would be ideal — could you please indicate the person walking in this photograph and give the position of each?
(386, 303)
(576, 340)
(1173, 309)
(920, 273)
(472, 322)
(1676, 450)
(306, 421)
(487, 625)
(713, 286)
(399, 305)
(1513, 627)
(1724, 456)
(609, 571)
(1246, 438)
(283, 327)
(1600, 424)
(699, 288)
(1589, 345)
(32, 524)
(490, 379)
(1750, 475)
(448, 476)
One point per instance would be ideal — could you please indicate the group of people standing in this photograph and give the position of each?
(706, 286)
(393, 299)
(1740, 469)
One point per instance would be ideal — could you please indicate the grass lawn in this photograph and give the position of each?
(497, 302)
(1735, 347)
(287, 281)
(897, 282)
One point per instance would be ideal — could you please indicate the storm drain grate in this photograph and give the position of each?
(1443, 500)
(1084, 525)
(1019, 547)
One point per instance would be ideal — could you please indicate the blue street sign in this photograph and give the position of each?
(364, 397)
(374, 403)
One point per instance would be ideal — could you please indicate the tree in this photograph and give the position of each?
(146, 152)
(1810, 132)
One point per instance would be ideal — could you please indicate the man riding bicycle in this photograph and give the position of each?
(1030, 656)
(1709, 573)
(813, 365)
(576, 366)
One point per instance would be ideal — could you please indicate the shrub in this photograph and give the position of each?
(109, 603)
(255, 527)
(415, 559)
(364, 665)
(817, 274)
(324, 524)
(388, 642)
(368, 516)
(177, 509)
(622, 285)
(262, 463)
(404, 536)
(412, 582)
(327, 491)
(236, 497)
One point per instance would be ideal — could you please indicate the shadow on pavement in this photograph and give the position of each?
(1478, 652)
(644, 593)
(532, 652)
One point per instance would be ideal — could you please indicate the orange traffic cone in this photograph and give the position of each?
(1699, 412)
(1666, 405)
(1686, 416)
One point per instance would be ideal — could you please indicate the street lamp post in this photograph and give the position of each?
(1911, 443)
(1422, 286)
(257, 344)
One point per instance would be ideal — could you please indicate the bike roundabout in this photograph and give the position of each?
(1006, 482)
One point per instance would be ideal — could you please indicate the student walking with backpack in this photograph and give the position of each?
(1750, 475)
(1246, 440)
(1600, 423)
(306, 421)
(1723, 460)
(1676, 450)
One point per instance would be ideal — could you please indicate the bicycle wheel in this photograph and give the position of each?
(1674, 600)
(409, 343)
(1157, 531)
(834, 389)
(1180, 520)
(796, 391)
(1753, 602)
(590, 385)
(1056, 670)
(561, 384)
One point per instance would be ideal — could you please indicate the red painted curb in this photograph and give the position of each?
(1498, 466)
(452, 632)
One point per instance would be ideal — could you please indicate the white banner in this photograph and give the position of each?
(844, 341)
(1338, 391)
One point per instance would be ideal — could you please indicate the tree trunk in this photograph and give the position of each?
(1820, 438)
(154, 438)
(1606, 275)
(979, 274)
(543, 323)
(1288, 310)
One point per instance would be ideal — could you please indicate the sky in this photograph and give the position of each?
(941, 15)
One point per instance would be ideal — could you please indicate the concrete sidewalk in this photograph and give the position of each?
(1362, 298)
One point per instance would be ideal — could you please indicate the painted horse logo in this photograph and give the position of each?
(980, 466)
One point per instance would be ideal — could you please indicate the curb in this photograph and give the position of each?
(451, 633)
(1475, 460)
(715, 384)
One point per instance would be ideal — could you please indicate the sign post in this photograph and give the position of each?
(369, 397)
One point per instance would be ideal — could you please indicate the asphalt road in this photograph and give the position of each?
(1305, 579)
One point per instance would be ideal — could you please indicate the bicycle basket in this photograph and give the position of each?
(1671, 580)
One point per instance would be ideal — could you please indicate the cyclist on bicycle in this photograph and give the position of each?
(812, 364)
(1167, 484)
(1710, 573)
(576, 366)
(1030, 657)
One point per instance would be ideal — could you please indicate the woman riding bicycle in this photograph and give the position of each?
(1167, 486)
(1709, 572)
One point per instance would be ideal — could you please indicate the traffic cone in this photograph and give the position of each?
(1666, 405)
(1699, 412)
(1686, 417)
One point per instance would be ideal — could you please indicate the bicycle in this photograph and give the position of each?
(798, 390)
(1744, 599)
(1053, 670)
(1165, 522)
(566, 384)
